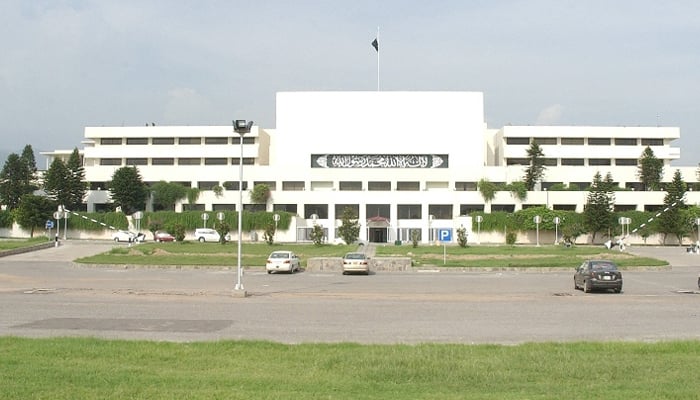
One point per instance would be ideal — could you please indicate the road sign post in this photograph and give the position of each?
(445, 236)
(537, 219)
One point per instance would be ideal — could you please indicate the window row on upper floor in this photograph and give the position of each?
(575, 162)
(582, 141)
(181, 141)
(175, 161)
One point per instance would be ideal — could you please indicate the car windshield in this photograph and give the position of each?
(279, 255)
(603, 266)
(355, 256)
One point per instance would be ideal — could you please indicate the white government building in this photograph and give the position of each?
(402, 160)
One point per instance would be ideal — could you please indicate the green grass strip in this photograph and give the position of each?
(79, 368)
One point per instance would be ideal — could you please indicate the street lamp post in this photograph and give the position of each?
(241, 127)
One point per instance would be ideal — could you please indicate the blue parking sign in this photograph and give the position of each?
(49, 224)
(444, 234)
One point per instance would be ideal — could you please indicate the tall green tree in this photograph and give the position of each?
(33, 212)
(128, 190)
(535, 170)
(167, 194)
(650, 170)
(349, 229)
(56, 183)
(12, 181)
(670, 222)
(598, 212)
(77, 186)
(29, 177)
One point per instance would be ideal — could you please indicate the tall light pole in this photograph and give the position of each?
(241, 127)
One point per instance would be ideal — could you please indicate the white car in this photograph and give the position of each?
(208, 235)
(282, 260)
(123, 236)
(356, 262)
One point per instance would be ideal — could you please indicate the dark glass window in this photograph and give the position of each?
(216, 140)
(110, 141)
(162, 161)
(110, 161)
(518, 140)
(137, 140)
(163, 140)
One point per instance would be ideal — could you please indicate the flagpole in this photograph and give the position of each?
(377, 59)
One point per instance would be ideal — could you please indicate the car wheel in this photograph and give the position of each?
(618, 290)
(201, 239)
(575, 285)
(116, 239)
(269, 272)
(586, 286)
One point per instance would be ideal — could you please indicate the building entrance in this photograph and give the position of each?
(378, 235)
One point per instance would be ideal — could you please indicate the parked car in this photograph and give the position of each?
(163, 236)
(282, 260)
(208, 235)
(598, 274)
(123, 236)
(356, 262)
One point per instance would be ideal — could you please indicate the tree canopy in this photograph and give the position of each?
(598, 213)
(671, 221)
(650, 170)
(128, 190)
(535, 170)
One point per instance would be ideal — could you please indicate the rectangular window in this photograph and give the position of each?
(350, 185)
(545, 140)
(518, 140)
(110, 161)
(162, 161)
(465, 186)
(216, 140)
(233, 185)
(215, 161)
(340, 209)
(626, 161)
(272, 185)
(440, 211)
(517, 161)
(189, 140)
(319, 210)
(377, 210)
(599, 161)
(140, 140)
(163, 140)
(625, 141)
(207, 185)
(572, 141)
(599, 141)
(466, 209)
(652, 142)
(572, 161)
(550, 162)
(189, 161)
(293, 186)
(246, 161)
(379, 186)
(110, 141)
(410, 211)
(246, 140)
(290, 208)
(136, 161)
(408, 186)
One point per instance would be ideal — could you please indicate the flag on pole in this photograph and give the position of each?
(375, 44)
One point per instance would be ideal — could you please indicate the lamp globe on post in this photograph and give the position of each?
(241, 127)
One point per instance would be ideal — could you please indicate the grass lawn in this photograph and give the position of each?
(80, 368)
(255, 254)
(10, 244)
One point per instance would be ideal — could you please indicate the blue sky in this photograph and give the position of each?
(70, 64)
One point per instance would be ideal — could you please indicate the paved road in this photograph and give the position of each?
(44, 294)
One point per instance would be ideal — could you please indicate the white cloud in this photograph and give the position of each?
(550, 115)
